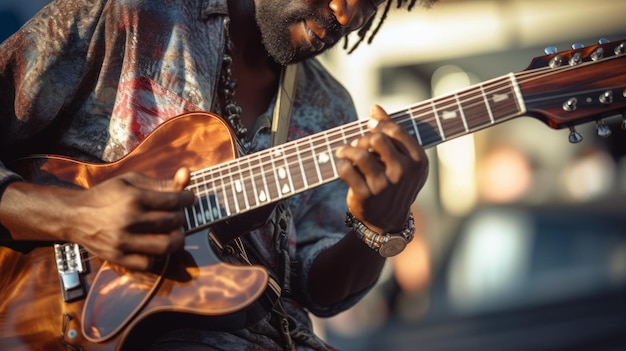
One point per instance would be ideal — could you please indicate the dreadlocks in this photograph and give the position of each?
(362, 33)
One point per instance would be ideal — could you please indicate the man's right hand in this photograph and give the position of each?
(127, 220)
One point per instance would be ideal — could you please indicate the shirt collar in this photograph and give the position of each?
(214, 7)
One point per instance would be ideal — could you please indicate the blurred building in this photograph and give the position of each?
(458, 43)
(425, 54)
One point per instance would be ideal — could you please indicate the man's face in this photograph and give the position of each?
(296, 29)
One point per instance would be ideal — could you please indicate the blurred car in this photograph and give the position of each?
(525, 278)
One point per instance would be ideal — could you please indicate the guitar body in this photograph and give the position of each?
(121, 309)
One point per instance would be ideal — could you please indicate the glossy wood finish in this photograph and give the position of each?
(32, 311)
(580, 77)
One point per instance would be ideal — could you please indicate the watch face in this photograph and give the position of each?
(392, 246)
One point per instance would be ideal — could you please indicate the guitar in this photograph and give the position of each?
(57, 297)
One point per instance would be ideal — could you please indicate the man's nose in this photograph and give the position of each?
(351, 14)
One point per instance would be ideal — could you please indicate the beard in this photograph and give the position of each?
(275, 18)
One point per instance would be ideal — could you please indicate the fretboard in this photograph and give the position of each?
(268, 176)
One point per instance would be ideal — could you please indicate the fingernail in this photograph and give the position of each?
(372, 123)
(339, 151)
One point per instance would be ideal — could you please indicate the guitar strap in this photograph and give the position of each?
(279, 286)
(284, 104)
(280, 129)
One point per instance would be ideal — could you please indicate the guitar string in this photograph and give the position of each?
(359, 126)
(290, 150)
(533, 74)
(401, 114)
(242, 180)
(286, 155)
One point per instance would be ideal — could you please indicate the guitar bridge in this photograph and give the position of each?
(70, 265)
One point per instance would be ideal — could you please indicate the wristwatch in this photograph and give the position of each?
(386, 245)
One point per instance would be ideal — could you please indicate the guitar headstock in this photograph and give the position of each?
(576, 86)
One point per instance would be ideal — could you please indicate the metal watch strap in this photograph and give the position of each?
(377, 241)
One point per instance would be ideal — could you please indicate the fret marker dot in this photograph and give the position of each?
(323, 158)
(286, 189)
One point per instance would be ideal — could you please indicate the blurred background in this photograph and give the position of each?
(522, 236)
(521, 240)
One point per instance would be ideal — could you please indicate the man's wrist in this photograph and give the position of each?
(385, 244)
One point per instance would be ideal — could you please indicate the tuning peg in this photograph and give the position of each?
(606, 98)
(576, 46)
(620, 49)
(576, 59)
(550, 50)
(603, 130)
(574, 136)
(570, 104)
(603, 41)
(597, 54)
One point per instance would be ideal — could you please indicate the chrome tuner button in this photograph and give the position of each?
(576, 59)
(577, 46)
(556, 61)
(603, 130)
(597, 54)
(550, 50)
(603, 41)
(574, 136)
(570, 104)
(606, 98)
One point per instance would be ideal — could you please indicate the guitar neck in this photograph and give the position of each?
(253, 181)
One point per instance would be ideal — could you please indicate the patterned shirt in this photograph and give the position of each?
(91, 78)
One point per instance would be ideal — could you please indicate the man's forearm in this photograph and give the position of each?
(343, 270)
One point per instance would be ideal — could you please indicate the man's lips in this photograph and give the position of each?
(315, 35)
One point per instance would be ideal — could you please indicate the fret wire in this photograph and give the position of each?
(264, 159)
(302, 170)
(233, 193)
(255, 191)
(331, 158)
(415, 128)
(276, 176)
(442, 135)
(308, 162)
(287, 174)
(486, 99)
(187, 209)
(412, 116)
(217, 207)
(244, 188)
(343, 134)
(465, 100)
(200, 199)
(314, 158)
(293, 165)
(458, 102)
(224, 193)
(265, 196)
(195, 215)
